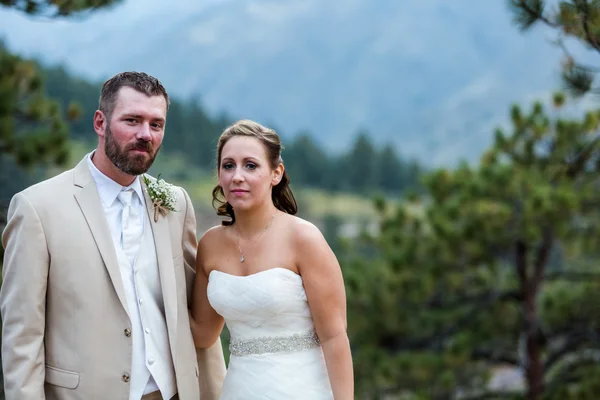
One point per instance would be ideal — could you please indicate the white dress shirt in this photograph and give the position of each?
(109, 190)
(147, 316)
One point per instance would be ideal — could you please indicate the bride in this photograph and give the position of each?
(272, 278)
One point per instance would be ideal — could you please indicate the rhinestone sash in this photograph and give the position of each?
(277, 344)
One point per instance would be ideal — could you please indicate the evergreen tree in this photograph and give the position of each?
(395, 175)
(390, 171)
(493, 267)
(579, 19)
(307, 163)
(361, 164)
(33, 130)
(68, 91)
(54, 9)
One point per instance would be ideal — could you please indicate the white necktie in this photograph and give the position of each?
(131, 226)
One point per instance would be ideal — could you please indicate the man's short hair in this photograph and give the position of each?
(139, 81)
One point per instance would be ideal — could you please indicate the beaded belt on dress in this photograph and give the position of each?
(270, 344)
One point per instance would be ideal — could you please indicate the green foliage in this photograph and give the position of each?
(361, 169)
(56, 8)
(307, 163)
(494, 266)
(579, 19)
(364, 168)
(32, 129)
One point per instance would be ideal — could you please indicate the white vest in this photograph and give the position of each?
(151, 353)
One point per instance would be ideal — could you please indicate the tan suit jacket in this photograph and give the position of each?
(65, 325)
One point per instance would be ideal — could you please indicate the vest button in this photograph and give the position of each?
(127, 332)
(125, 378)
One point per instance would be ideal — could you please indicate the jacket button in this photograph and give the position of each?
(125, 378)
(127, 332)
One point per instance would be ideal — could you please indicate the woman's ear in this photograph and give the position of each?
(277, 174)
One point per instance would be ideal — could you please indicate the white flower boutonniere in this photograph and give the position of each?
(162, 195)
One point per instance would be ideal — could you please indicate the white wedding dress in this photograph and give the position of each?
(275, 353)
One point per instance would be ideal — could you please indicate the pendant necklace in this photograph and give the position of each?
(243, 253)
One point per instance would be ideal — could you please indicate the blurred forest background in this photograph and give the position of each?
(466, 221)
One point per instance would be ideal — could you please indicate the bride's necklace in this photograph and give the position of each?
(237, 233)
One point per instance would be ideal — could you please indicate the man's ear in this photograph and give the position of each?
(100, 123)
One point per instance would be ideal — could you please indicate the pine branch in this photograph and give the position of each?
(586, 26)
(25, 118)
(573, 342)
(578, 81)
(570, 372)
(528, 12)
(52, 9)
(436, 340)
(461, 301)
(571, 63)
(578, 163)
(573, 276)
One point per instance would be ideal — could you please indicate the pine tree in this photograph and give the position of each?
(307, 163)
(494, 266)
(579, 19)
(54, 8)
(33, 129)
(361, 164)
(32, 126)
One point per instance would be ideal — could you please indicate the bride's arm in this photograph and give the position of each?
(205, 322)
(324, 287)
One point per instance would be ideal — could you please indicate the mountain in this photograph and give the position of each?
(433, 77)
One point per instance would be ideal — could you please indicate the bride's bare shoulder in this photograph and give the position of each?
(212, 236)
(304, 232)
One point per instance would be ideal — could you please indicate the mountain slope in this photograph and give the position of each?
(435, 77)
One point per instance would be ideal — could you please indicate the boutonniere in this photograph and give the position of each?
(162, 195)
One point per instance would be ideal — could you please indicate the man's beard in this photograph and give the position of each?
(129, 163)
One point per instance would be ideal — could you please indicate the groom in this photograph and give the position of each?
(96, 282)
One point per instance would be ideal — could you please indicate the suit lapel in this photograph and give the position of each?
(162, 243)
(91, 207)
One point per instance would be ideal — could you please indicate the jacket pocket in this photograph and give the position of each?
(61, 377)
